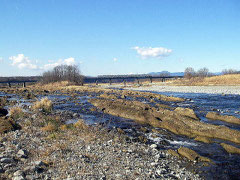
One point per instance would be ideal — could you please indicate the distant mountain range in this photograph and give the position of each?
(167, 73)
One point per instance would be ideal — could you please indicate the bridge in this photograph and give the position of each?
(99, 79)
(23, 82)
(127, 78)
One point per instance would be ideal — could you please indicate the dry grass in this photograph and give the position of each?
(16, 112)
(53, 86)
(228, 79)
(44, 105)
(50, 127)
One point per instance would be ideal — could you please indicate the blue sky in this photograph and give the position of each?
(118, 36)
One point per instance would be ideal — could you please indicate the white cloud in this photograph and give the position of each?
(68, 61)
(115, 59)
(150, 52)
(22, 62)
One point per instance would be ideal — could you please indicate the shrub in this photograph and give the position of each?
(16, 112)
(44, 105)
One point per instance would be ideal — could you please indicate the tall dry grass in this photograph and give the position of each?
(228, 79)
(16, 112)
(44, 105)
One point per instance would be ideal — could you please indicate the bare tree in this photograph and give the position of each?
(230, 71)
(203, 72)
(189, 73)
(63, 73)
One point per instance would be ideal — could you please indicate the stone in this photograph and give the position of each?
(186, 112)
(7, 160)
(226, 118)
(22, 152)
(154, 146)
(18, 178)
(192, 155)
(3, 112)
(203, 139)
(230, 149)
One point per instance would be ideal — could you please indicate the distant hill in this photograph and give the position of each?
(167, 73)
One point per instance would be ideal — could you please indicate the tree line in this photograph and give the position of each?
(69, 73)
(204, 72)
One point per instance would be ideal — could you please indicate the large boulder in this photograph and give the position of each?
(3, 112)
(226, 118)
(186, 112)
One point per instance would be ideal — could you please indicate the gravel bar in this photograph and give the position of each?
(190, 89)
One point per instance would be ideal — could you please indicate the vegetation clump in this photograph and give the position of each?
(16, 112)
(44, 105)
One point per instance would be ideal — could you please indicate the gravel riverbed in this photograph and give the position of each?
(190, 89)
(30, 153)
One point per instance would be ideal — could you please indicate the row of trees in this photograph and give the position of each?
(190, 72)
(69, 73)
(204, 72)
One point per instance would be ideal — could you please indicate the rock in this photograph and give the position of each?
(18, 178)
(192, 155)
(7, 160)
(226, 118)
(186, 112)
(3, 112)
(154, 146)
(173, 153)
(22, 152)
(203, 139)
(40, 163)
(18, 173)
(230, 149)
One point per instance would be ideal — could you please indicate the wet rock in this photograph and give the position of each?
(192, 155)
(186, 112)
(230, 149)
(226, 118)
(203, 139)
(3, 112)
(173, 153)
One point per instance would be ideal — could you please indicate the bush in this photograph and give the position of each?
(44, 104)
(63, 73)
(16, 112)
